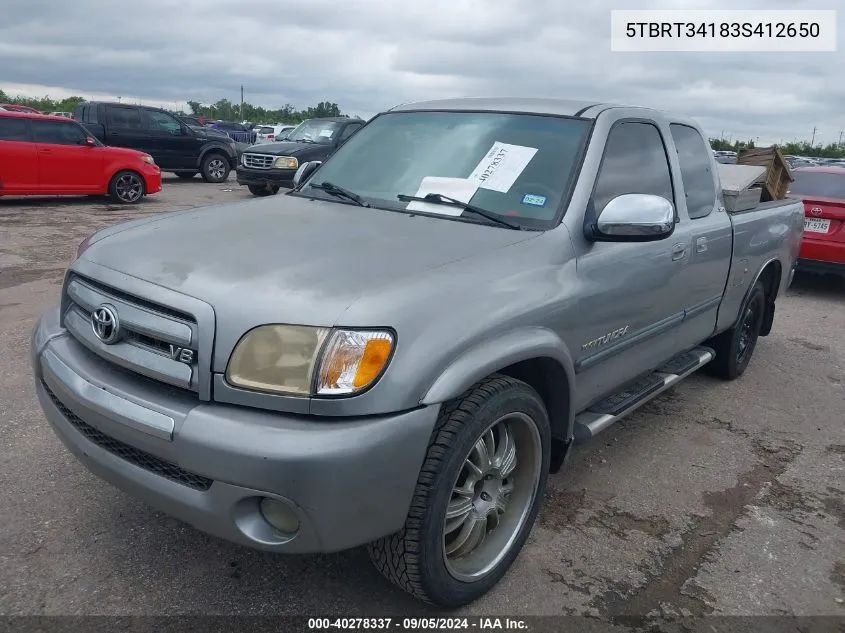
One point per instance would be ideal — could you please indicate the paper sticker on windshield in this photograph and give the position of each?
(501, 166)
(533, 200)
(325, 133)
(461, 189)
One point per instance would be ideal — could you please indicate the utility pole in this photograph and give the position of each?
(242, 101)
(813, 141)
(840, 138)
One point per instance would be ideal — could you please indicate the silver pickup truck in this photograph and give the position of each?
(399, 350)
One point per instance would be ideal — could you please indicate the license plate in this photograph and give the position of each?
(813, 225)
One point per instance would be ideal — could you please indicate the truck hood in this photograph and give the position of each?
(287, 259)
(290, 148)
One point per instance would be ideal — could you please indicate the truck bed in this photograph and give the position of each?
(769, 231)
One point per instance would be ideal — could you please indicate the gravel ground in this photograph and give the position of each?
(716, 498)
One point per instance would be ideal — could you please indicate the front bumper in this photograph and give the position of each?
(152, 180)
(349, 481)
(262, 177)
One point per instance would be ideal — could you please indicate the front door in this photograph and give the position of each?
(65, 162)
(171, 144)
(629, 306)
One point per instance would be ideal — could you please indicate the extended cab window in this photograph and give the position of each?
(123, 118)
(523, 164)
(696, 170)
(634, 162)
(57, 133)
(13, 129)
(162, 123)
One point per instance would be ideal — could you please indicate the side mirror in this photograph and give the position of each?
(90, 142)
(634, 217)
(304, 172)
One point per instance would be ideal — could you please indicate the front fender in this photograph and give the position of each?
(496, 354)
(216, 146)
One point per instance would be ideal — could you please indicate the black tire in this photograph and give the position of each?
(262, 190)
(127, 187)
(215, 168)
(735, 347)
(186, 175)
(415, 558)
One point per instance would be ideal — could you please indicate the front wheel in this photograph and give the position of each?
(263, 190)
(127, 187)
(477, 496)
(735, 347)
(215, 168)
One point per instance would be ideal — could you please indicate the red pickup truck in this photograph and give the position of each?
(52, 155)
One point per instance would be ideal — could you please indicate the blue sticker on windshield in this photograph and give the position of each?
(533, 200)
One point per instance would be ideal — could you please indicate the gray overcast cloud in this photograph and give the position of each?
(367, 55)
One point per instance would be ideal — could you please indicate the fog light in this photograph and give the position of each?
(280, 516)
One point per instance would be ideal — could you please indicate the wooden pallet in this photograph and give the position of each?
(778, 173)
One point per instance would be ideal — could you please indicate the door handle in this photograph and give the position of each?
(679, 251)
(701, 245)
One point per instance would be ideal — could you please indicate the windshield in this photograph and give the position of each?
(514, 165)
(818, 184)
(317, 131)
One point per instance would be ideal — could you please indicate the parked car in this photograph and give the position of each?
(236, 131)
(271, 133)
(48, 155)
(175, 146)
(386, 357)
(822, 189)
(267, 167)
(13, 107)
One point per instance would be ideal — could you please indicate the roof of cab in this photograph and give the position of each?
(559, 107)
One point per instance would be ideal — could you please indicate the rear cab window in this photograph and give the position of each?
(696, 170)
(14, 129)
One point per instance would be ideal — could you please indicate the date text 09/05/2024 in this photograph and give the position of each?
(480, 624)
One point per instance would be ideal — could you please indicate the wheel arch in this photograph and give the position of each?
(535, 356)
(771, 277)
(213, 148)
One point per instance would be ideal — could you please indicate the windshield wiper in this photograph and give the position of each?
(439, 198)
(305, 140)
(340, 192)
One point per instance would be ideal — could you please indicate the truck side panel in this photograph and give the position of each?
(769, 235)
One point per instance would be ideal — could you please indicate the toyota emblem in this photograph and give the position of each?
(105, 324)
(816, 211)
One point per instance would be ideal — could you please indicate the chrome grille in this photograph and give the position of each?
(149, 334)
(259, 161)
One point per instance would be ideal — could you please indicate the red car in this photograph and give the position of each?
(51, 155)
(823, 191)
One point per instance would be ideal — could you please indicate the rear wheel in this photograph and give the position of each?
(263, 190)
(186, 175)
(215, 168)
(735, 347)
(127, 187)
(477, 495)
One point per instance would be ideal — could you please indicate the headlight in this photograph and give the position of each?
(286, 162)
(301, 361)
(147, 159)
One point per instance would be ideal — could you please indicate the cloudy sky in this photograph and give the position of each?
(367, 55)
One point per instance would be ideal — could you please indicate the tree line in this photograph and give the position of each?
(222, 109)
(228, 111)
